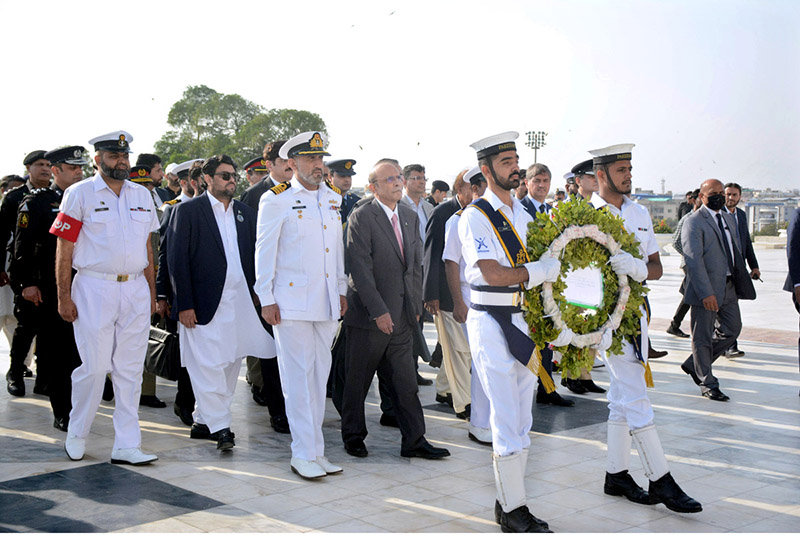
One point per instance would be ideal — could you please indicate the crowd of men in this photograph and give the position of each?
(321, 290)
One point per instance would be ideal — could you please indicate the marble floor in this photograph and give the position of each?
(741, 459)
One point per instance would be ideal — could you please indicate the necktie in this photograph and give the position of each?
(728, 252)
(398, 235)
(542, 209)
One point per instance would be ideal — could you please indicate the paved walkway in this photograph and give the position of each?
(741, 459)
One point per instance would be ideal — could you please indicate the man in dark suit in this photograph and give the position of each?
(279, 171)
(263, 374)
(538, 178)
(384, 303)
(716, 279)
(211, 262)
(733, 194)
(792, 283)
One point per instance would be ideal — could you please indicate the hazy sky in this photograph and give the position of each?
(703, 88)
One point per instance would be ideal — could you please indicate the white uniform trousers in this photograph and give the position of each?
(213, 387)
(111, 333)
(304, 362)
(627, 395)
(456, 359)
(479, 412)
(508, 384)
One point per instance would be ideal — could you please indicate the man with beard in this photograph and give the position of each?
(263, 374)
(38, 168)
(33, 271)
(630, 413)
(301, 284)
(153, 161)
(173, 188)
(497, 269)
(104, 228)
(210, 255)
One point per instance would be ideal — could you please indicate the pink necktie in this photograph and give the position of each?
(398, 235)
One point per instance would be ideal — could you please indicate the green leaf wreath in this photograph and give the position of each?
(581, 253)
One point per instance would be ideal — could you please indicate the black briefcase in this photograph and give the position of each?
(163, 354)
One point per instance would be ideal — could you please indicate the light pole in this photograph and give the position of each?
(536, 141)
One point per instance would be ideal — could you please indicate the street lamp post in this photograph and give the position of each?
(536, 141)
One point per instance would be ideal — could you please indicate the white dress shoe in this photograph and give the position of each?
(328, 466)
(133, 456)
(75, 447)
(480, 435)
(307, 469)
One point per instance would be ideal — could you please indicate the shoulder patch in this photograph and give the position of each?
(334, 188)
(23, 221)
(280, 188)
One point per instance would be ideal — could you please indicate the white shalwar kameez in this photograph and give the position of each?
(212, 353)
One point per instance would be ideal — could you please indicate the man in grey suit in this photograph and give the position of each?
(715, 281)
(384, 301)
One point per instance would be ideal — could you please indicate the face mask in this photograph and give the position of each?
(715, 202)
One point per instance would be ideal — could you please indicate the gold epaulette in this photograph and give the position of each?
(280, 188)
(173, 201)
(334, 188)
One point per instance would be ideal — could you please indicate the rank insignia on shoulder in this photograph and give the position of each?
(24, 219)
(173, 201)
(280, 188)
(334, 188)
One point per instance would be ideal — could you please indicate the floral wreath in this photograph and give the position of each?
(581, 236)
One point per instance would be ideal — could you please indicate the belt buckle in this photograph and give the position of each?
(122, 278)
(516, 300)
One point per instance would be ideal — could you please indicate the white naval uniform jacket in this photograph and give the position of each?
(300, 251)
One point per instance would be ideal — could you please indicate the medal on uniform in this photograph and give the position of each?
(239, 217)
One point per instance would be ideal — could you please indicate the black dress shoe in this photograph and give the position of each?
(389, 420)
(108, 390)
(689, 371)
(466, 413)
(27, 372)
(200, 431)
(553, 398)
(151, 401)
(40, 389)
(622, 484)
(421, 381)
(61, 423)
(225, 440)
(666, 491)
(15, 384)
(715, 394)
(590, 386)
(653, 354)
(426, 451)
(520, 520)
(280, 424)
(498, 513)
(574, 385)
(184, 414)
(676, 331)
(356, 448)
(436, 356)
(258, 397)
(447, 399)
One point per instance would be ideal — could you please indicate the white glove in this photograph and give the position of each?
(605, 341)
(544, 269)
(626, 264)
(564, 338)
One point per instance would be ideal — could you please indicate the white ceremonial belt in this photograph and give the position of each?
(495, 299)
(109, 276)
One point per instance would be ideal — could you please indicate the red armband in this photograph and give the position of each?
(66, 227)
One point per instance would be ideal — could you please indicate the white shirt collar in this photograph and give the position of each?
(216, 202)
(598, 202)
(386, 210)
(714, 212)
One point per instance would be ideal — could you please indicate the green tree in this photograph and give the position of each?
(205, 122)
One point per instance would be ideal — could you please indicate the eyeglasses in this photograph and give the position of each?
(391, 179)
(226, 175)
(422, 178)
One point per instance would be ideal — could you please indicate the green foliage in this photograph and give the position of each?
(770, 229)
(581, 253)
(205, 122)
(663, 227)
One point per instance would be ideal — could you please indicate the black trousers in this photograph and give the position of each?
(272, 389)
(28, 317)
(368, 351)
(57, 357)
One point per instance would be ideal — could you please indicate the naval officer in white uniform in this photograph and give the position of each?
(302, 287)
(104, 228)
